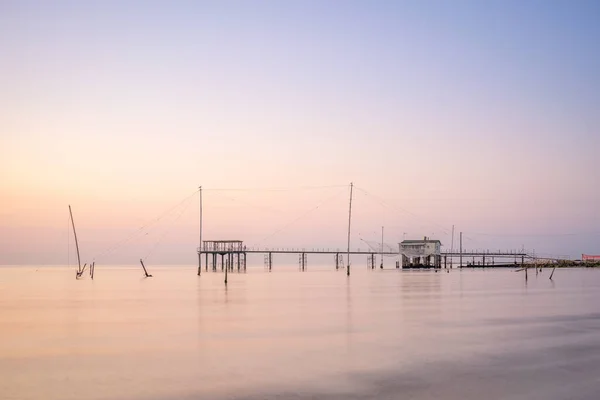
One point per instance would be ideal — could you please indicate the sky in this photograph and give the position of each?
(481, 115)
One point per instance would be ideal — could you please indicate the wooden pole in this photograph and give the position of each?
(76, 242)
(381, 266)
(79, 273)
(145, 272)
(200, 236)
(349, 222)
(461, 250)
(552, 273)
(451, 246)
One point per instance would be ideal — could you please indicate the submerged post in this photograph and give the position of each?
(349, 222)
(78, 273)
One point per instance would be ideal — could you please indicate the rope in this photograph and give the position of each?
(537, 234)
(301, 216)
(274, 189)
(248, 204)
(142, 228)
(376, 247)
(391, 207)
(167, 231)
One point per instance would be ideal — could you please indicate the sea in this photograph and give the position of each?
(455, 334)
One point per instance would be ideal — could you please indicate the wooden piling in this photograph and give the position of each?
(144, 267)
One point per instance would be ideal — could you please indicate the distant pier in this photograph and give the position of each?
(232, 254)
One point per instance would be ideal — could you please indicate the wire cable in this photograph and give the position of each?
(143, 228)
(167, 230)
(393, 208)
(301, 216)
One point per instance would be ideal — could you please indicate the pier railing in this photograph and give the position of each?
(337, 250)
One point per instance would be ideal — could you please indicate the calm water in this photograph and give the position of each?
(291, 335)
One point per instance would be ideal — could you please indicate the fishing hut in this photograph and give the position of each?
(424, 253)
(232, 254)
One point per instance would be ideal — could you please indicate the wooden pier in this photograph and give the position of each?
(232, 255)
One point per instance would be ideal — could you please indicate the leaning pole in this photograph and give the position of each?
(349, 222)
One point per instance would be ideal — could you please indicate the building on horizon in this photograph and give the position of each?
(424, 253)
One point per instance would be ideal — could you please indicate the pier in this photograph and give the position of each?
(232, 254)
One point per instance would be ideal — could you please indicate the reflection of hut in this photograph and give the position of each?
(421, 253)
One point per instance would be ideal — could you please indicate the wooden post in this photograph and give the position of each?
(78, 273)
(461, 250)
(76, 242)
(349, 222)
(199, 262)
(200, 236)
(144, 267)
(381, 266)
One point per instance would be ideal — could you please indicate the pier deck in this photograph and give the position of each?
(236, 255)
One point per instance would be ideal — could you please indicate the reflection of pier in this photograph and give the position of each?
(232, 254)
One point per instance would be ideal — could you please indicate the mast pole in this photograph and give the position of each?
(452, 246)
(200, 236)
(382, 247)
(349, 221)
(76, 243)
(461, 249)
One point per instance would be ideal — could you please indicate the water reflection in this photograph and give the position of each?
(318, 334)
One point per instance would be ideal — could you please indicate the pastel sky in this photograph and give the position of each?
(480, 114)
